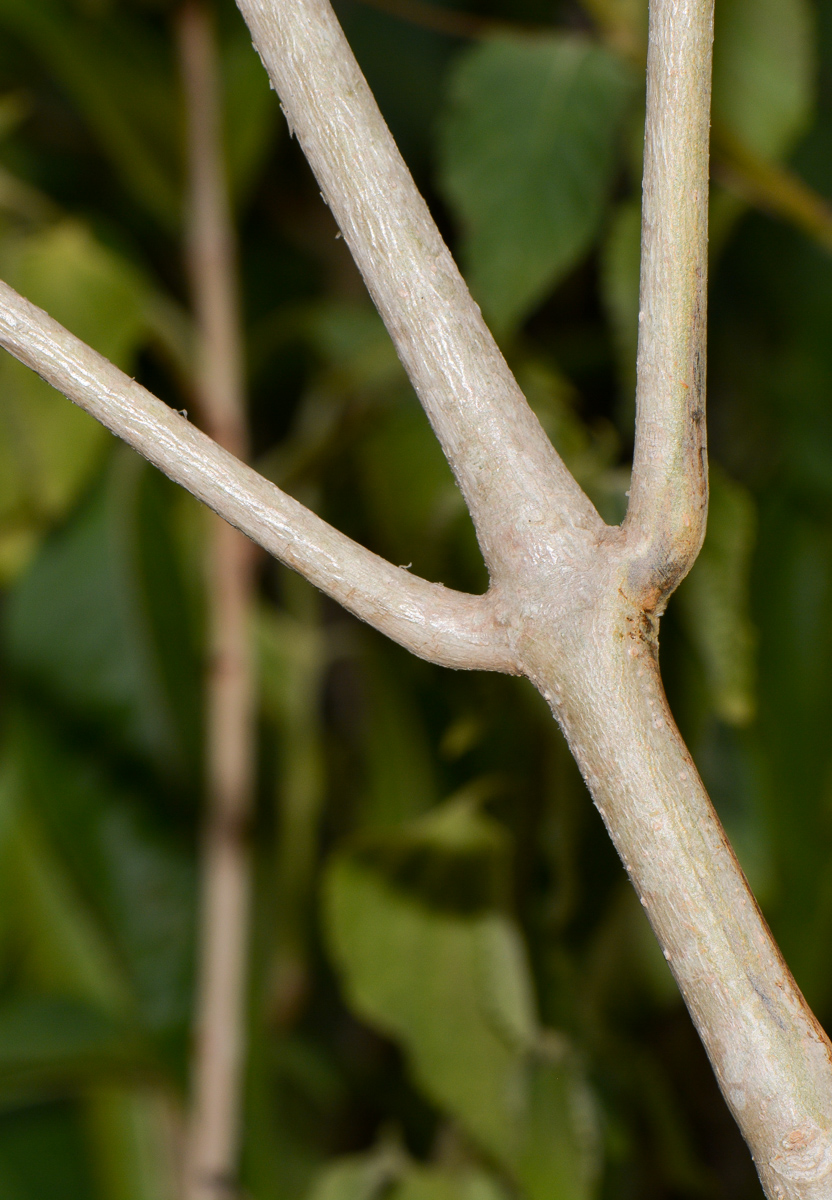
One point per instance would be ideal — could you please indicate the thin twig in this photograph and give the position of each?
(212, 1144)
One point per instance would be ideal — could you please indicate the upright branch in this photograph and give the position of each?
(212, 1143)
(574, 604)
(502, 460)
(669, 491)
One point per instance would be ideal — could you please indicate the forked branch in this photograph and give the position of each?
(574, 604)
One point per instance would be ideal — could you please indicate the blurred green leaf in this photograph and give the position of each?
(51, 1042)
(48, 447)
(10, 1186)
(357, 371)
(409, 487)
(434, 1183)
(387, 1172)
(451, 983)
(400, 777)
(421, 977)
(453, 858)
(118, 651)
(362, 1177)
(71, 1016)
(590, 452)
(623, 24)
(135, 876)
(132, 1132)
(293, 656)
(61, 946)
(251, 110)
(733, 769)
(560, 1153)
(713, 602)
(352, 343)
(89, 288)
(620, 268)
(42, 1154)
(13, 111)
(764, 71)
(527, 157)
(292, 1090)
(27, 205)
(115, 72)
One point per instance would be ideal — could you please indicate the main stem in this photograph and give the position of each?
(771, 1057)
(212, 1146)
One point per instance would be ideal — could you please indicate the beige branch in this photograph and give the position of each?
(215, 1121)
(502, 460)
(669, 493)
(432, 621)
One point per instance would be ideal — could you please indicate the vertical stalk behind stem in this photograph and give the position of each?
(214, 1126)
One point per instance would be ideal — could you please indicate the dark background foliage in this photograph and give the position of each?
(454, 992)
